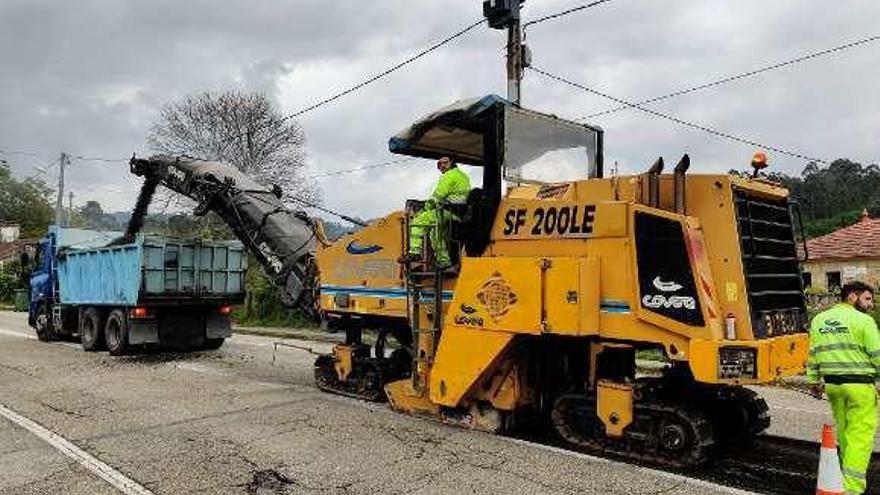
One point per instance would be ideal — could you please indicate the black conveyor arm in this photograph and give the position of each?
(284, 242)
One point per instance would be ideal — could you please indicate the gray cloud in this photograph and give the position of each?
(89, 77)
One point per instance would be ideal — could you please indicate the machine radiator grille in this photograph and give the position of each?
(773, 276)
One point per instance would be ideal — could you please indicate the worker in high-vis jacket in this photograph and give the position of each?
(452, 189)
(844, 362)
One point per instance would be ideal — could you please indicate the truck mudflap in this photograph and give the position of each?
(142, 332)
(749, 362)
(218, 326)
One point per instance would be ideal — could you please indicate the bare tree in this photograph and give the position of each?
(242, 129)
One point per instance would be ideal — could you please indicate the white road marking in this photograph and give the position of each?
(238, 341)
(104, 471)
(198, 368)
(11, 333)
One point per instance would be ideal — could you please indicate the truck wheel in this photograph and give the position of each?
(44, 327)
(91, 331)
(213, 344)
(116, 333)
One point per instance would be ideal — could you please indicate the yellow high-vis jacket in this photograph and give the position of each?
(843, 342)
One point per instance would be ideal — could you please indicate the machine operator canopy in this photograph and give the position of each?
(528, 146)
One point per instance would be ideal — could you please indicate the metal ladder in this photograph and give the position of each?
(421, 286)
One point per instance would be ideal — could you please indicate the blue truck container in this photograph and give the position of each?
(153, 291)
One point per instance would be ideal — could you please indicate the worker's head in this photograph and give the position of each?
(859, 294)
(444, 164)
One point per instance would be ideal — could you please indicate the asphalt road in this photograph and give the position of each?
(231, 421)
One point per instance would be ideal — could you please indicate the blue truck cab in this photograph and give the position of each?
(153, 291)
(41, 282)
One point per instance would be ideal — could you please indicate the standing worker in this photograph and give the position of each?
(452, 188)
(845, 355)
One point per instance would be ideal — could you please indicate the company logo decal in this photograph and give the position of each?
(833, 326)
(655, 301)
(354, 248)
(496, 296)
(665, 286)
(468, 310)
(467, 317)
(661, 301)
(362, 268)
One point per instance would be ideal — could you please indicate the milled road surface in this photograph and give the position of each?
(230, 421)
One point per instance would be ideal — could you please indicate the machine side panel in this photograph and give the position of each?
(359, 273)
(711, 198)
(562, 296)
(498, 294)
(464, 356)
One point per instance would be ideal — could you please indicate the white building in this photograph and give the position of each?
(9, 232)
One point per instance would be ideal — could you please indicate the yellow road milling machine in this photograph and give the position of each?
(625, 312)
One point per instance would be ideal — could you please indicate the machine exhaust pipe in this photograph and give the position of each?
(680, 190)
(653, 176)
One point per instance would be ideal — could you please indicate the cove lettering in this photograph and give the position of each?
(574, 220)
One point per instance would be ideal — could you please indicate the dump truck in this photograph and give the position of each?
(625, 312)
(152, 291)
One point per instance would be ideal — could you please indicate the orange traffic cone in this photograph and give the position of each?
(830, 480)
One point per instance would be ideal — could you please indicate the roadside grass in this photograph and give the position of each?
(275, 317)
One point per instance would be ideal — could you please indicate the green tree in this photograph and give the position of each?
(833, 196)
(93, 212)
(262, 306)
(25, 202)
(10, 280)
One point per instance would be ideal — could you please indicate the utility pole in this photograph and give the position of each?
(63, 163)
(505, 14)
(69, 209)
(514, 57)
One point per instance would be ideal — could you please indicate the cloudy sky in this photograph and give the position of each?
(89, 77)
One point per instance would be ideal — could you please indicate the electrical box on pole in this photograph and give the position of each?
(501, 13)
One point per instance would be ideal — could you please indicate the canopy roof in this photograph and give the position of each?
(521, 137)
(455, 131)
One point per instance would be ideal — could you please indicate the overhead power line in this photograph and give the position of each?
(737, 77)
(358, 169)
(309, 204)
(677, 120)
(22, 153)
(388, 71)
(99, 159)
(365, 82)
(44, 169)
(74, 157)
(563, 13)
